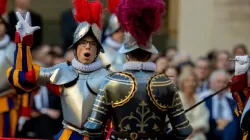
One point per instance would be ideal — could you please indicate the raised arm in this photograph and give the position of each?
(180, 124)
(24, 74)
(240, 90)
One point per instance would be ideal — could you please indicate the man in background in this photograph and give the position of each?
(202, 70)
(22, 6)
(67, 27)
(223, 120)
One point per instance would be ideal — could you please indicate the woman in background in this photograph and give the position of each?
(172, 73)
(198, 116)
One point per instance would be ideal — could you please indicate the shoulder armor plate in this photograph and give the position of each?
(63, 73)
(123, 82)
(96, 78)
(160, 89)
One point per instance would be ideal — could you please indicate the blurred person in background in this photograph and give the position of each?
(57, 54)
(23, 6)
(154, 57)
(211, 56)
(222, 119)
(8, 104)
(46, 119)
(199, 116)
(57, 49)
(240, 50)
(171, 53)
(181, 57)
(113, 42)
(172, 73)
(222, 61)
(161, 64)
(202, 70)
(42, 55)
(69, 55)
(68, 26)
(185, 66)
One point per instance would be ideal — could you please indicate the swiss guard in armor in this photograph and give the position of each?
(240, 92)
(138, 99)
(78, 82)
(15, 108)
(114, 40)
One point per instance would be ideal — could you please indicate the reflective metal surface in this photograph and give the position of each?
(82, 29)
(59, 74)
(130, 44)
(111, 56)
(113, 25)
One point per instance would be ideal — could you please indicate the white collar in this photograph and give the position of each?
(87, 68)
(133, 65)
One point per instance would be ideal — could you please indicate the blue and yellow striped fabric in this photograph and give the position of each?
(8, 123)
(9, 112)
(22, 64)
(6, 103)
(67, 134)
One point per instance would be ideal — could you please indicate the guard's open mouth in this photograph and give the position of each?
(87, 54)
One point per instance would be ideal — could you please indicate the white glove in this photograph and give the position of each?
(22, 27)
(242, 64)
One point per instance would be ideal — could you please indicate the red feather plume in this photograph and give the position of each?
(140, 18)
(112, 5)
(88, 11)
(3, 4)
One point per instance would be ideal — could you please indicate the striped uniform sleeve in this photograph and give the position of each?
(181, 127)
(26, 104)
(240, 92)
(23, 74)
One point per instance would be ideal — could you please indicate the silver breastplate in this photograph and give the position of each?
(77, 102)
(78, 98)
